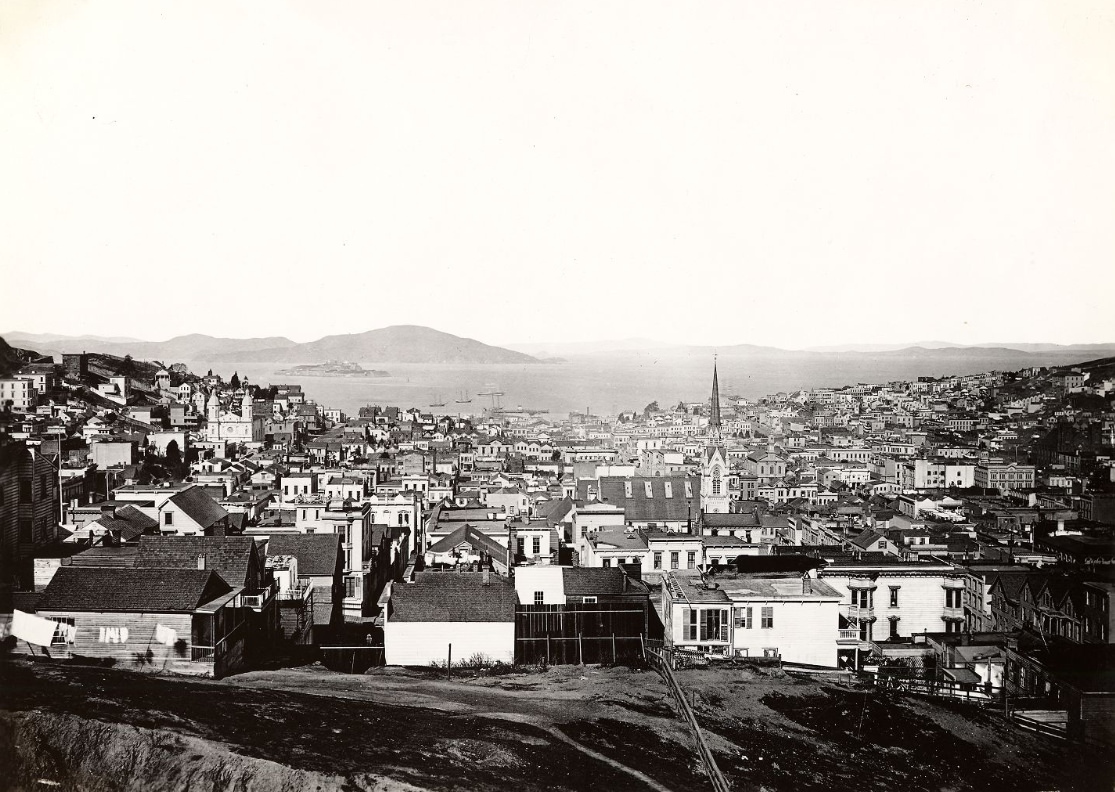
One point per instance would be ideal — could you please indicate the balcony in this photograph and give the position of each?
(859, 613)
(952, 614)
(296, 593)
(257, 598)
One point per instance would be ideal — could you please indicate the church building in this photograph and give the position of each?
(229, 427)
(714, 467)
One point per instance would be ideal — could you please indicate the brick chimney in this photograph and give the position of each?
(201, 561)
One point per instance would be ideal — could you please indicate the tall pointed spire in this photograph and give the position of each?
(714, 412)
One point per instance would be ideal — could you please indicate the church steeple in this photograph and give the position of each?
(714, 412)
(715, 470)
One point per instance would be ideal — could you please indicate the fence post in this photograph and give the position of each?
(449, 663)
(548, 660)
(642, 646)
(580, 650)
(613, 648)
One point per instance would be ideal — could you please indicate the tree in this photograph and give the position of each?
(173, 455)
(652, 407)
(235, 381)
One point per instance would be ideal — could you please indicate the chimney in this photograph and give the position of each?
(201, 561)
(486, 578)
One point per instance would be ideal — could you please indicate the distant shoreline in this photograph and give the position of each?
(331, 369)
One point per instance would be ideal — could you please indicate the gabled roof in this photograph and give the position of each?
(228, 555)
(128, 523)
(198, 506)
(467, 534)
(317, 554)
(454, 597)
(113, 590)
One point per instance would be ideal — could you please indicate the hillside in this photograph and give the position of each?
(399, 343)
(567, 728)
(12, 358)
(195, 346)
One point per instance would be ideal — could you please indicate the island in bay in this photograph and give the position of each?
(331, 368)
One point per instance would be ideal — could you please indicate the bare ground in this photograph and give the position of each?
(564, 728)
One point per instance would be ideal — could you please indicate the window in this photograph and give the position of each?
(768, 617)
(657, 560)
(44, 486)
(691, 560)
(64, 633)
(168, 518)
(536, 542)
(589, 600)
(25, 490)
(743, 618)
(26, 528)
(690, 631)
(952, 598)
(894, 596)
(350, 587)
(893, 626)
(522, 546)
(538, 598)
(714, 625)
(607, 563)
(862, 598)
(716, 480)
(673, 560)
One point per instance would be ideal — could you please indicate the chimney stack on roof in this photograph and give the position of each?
(201, 561)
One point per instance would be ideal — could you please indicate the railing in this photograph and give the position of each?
(860, 613)
(848, 635)
(655, 654)
(210, 654)
(296, 593)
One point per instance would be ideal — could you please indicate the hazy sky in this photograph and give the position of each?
(748, 172)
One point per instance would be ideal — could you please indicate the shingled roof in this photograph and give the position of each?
(317, 554)
(198, 506)
(128, 523)
(476, 539)
(454, 597)
(640, 508)
(230, 556)
(591, 582)
(114, 590)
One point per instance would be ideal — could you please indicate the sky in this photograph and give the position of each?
(786, 174)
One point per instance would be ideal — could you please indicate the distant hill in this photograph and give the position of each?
(399, 344)
(12, 358)
(188, 347)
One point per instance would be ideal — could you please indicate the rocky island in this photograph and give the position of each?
(331, 368)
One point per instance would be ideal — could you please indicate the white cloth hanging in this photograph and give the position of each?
(33, 629)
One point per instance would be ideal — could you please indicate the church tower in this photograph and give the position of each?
(714, 467)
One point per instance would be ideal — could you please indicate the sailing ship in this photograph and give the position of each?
(464, 398)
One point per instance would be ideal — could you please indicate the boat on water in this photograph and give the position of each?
(440, 401)
(331, 368)
(463, 399)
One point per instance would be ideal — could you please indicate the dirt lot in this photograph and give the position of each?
(564, 728)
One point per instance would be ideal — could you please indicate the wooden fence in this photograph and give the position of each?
(660, 659)
(352, 659)
(606, 632)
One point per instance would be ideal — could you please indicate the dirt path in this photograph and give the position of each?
(650, 782)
